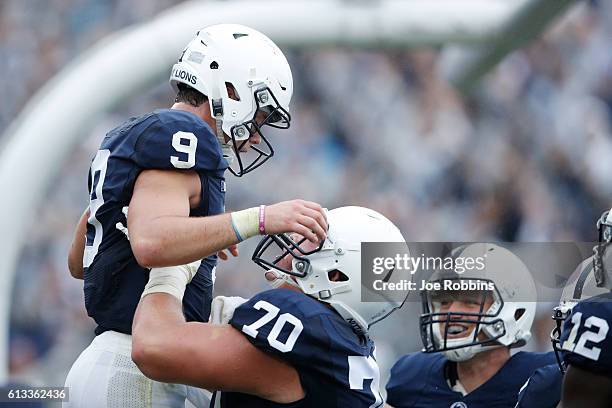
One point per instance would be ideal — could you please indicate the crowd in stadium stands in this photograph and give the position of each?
(526, 158)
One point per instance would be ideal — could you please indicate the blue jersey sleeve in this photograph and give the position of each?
(543, 389)
(586, 339)
(178, 140)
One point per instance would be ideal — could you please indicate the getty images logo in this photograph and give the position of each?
(184, 75)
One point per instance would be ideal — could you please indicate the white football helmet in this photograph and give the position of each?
(506, 322)
(239, 57)
(592, 277)
(341, 251)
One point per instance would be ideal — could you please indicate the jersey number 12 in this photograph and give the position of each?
(594, 337)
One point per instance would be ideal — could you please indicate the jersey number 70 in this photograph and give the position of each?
(361, 368)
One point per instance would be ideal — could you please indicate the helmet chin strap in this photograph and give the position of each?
(226, 148)
(217, 112)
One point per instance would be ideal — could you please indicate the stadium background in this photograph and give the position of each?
(526, 158)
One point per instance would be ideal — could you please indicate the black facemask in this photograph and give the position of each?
(276, 117)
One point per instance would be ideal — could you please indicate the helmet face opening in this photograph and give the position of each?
(440, 330)
(278, 252)
(275, 116)
(604, 228)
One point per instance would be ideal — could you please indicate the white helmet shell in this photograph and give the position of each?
(237, 55)
(581, 285)
(348, 228)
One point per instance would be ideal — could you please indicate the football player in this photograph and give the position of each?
(307, 346)
(586, 340)
(543, 389)
(468, 335)
(168, 166)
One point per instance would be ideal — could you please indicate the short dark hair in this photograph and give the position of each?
(189, 95)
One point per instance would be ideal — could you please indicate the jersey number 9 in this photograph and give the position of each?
(186, 143)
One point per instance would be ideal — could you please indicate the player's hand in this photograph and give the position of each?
(281, 280)
(303, 217)
(222, 308)
(233, 249)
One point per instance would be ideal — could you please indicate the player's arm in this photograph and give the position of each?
(163, 234)
(75, 255)
(168, 349)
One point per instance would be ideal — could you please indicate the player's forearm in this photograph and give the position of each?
(175, 240)
(156, 321)
(167, 349)
(75, 255)
(161, 341)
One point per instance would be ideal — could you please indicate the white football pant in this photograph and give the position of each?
(104, 376)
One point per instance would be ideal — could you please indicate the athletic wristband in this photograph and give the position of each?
(262, 220)
(246, 223)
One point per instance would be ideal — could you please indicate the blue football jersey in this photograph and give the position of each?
(418, 380)
(586, 339)
(543, 389)
(337, 367)
(165, 139)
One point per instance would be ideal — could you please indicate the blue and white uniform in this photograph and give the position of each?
(165, 139)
